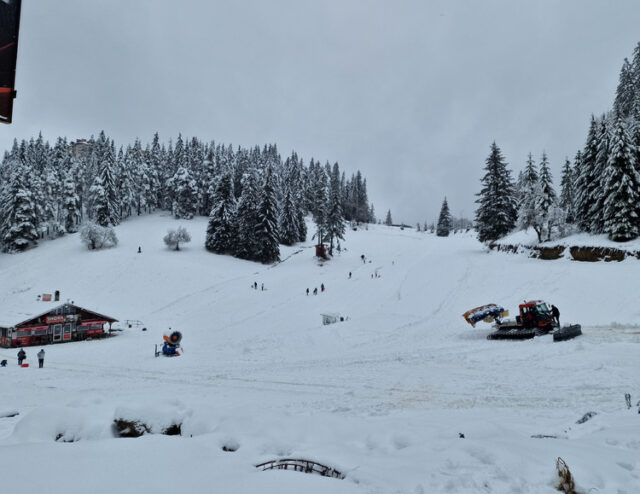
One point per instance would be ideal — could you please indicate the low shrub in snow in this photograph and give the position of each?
(95, 236)
(173, 237)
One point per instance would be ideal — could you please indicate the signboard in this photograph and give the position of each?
(50, 319)
(46, 297)
(9, 27)
(95, 331)
(93, 323)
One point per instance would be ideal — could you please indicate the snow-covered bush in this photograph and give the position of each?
(173, 237)
(95, 236)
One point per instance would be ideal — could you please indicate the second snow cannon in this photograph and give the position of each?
(171, 345)
(486, 313)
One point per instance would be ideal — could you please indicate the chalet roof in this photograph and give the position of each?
(25, 312)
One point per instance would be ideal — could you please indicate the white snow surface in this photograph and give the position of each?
(382, 397)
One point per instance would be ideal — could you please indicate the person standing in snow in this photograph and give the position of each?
(349, 274)
(322, 287)
(41, 358)
(556, 314)
(21, 356)
(315, 291)
(262, 287)
(307, 292)
(139, 250)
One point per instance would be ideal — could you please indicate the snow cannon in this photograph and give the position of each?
(171, 345)
(487, 313)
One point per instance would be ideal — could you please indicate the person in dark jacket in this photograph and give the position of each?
(41, 358)
(556, 314)
(21, 356)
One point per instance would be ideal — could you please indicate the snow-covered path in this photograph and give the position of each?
(381, 396)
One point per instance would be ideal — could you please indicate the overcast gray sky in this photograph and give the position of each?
(412, 93)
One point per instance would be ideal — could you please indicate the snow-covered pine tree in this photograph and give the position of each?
(298, 188)
(221, 228)
(18, 211)
(320, 200)
(126, 184)
(584, 170)
(635, 78)
(597, 188)
(266, 231)
(622, 187)
(496, 214)
(185, 194)
(387, 219)
(71, 204)
(625, 93)
(528, 187)
(335, 219)
(567, 193)
(247, 218)
(288, 221)
(103, 192)
(444, 220)
(545, 198)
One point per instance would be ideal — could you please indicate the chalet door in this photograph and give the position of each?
(66, 336)
(57, 332)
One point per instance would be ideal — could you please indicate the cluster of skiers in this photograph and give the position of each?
(22, 355)
(315, 290)
(255, 286)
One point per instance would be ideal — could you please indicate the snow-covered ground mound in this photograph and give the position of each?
(382, 397)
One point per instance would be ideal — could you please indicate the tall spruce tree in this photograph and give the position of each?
(545, 198)
(625, 93)
(266, 231)
(567, 193)
(496, 214)
(387, 220)
(335, 219)
(288, 222)
(106, 208)
(622, 188)
(71, 204)
(585, 177)
(221, 227)
(245, 245)
(320, 198)
(185, 194)
(597, 187)
(444, 220)
(18, 211)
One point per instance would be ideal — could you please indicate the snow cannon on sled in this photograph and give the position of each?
(486, 313)
(536, 318)
(171, 345)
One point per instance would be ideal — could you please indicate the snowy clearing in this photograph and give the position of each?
(381, 397)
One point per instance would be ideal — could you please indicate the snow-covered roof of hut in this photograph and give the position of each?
(24, 310)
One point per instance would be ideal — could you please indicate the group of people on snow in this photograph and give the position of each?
(22, 355)
(315, 290)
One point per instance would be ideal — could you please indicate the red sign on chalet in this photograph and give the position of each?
(50, 319)
(46, 297)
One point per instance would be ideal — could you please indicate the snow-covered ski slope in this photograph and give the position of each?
(381, 397)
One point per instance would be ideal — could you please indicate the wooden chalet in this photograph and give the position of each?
(61, 324)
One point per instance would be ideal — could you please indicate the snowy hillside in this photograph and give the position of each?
(382, 397)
